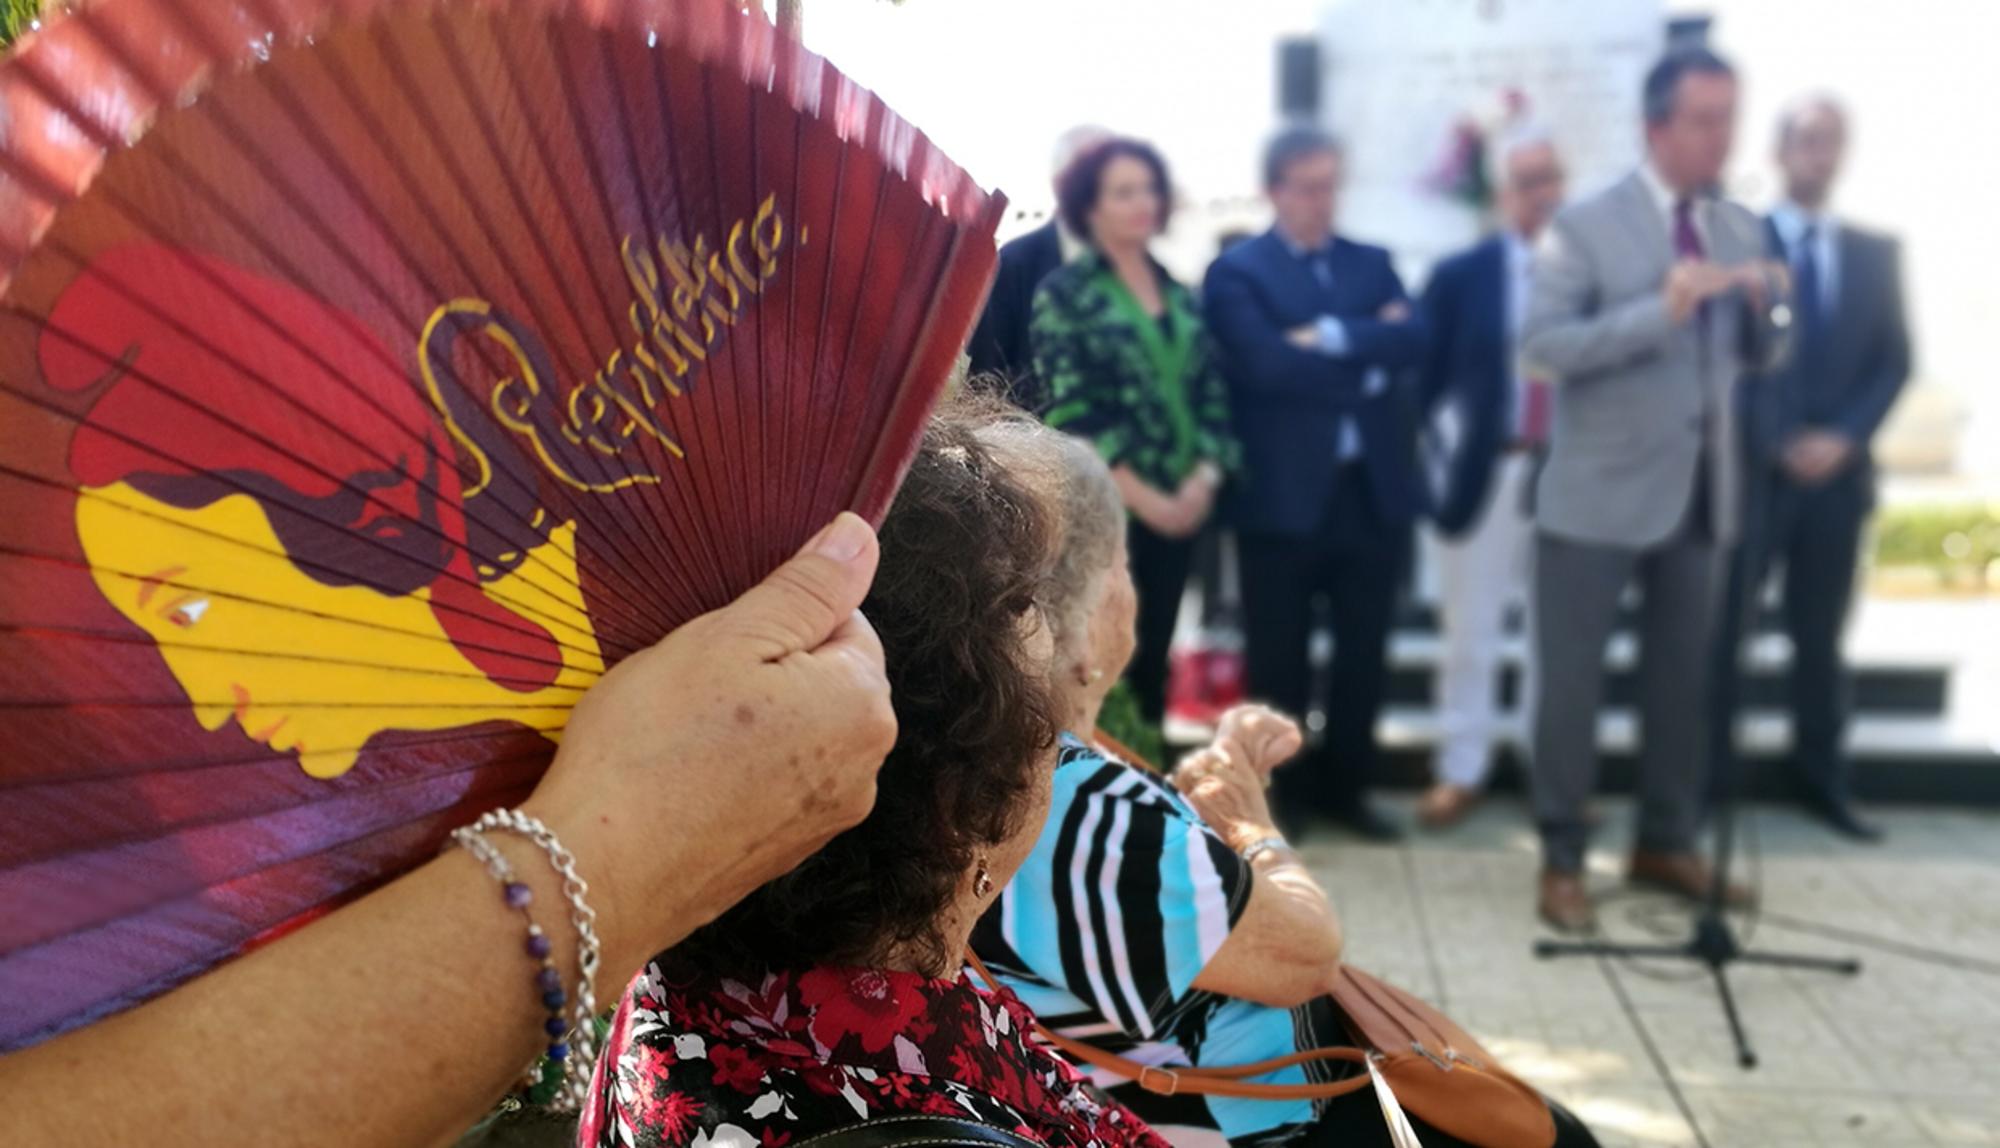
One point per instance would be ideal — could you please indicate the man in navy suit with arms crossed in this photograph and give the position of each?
(1320, 344)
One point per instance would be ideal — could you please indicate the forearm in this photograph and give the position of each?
(1387, 343)
(1286, 948)
(1297, 927)
(1568, 346)
(1136, 493)
(398, 1020)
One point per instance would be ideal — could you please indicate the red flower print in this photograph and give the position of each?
(938, 1104)
(965, 1068)
(773, 1138)
(864, 1004)
(894, 1085)
(669, 1112)
(735, 1069)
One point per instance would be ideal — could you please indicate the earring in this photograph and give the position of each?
(982, 882)
(1095, 676)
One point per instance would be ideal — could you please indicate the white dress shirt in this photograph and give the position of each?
(1520, 281)
(1068, 243)
(1791, 222)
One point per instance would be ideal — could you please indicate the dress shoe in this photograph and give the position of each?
(1366, 822)
(1837, 814)
(1444, 805)
(1685, 874)
(1564, 903)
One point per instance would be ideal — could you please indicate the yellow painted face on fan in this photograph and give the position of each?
(308, 668)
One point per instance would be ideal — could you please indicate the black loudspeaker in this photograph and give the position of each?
(1684, 32)
(1298, 78)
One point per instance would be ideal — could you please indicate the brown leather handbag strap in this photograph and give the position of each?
(1231, 1081)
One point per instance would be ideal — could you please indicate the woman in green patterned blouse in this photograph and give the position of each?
(1128, 365)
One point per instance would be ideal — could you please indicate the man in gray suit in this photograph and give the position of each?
(1649, 301)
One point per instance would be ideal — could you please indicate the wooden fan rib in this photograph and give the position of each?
(842, 417)
(219, 108)
(914, 394)
(180, 940)
(390, 45)
(449, 36)
(699, 482)
(797, 78)
(823, 328)
(684, 100)
(43, 901)
(645, 535)
(126, 638)
(676, 511)
(51, 804)
(888, 361)
(63, 772)
(181, 701)
(649, 98)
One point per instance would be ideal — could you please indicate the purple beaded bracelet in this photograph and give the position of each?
(548, 979)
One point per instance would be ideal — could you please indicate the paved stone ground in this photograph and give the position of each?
(1906, 1054)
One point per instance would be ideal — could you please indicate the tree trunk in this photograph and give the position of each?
(791, 18)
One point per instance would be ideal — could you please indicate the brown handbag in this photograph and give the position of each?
(1433, 1068)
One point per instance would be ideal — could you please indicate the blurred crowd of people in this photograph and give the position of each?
(1651, 386)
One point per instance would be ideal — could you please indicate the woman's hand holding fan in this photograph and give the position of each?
(726, 755)
(375, 376)
(393, 1021)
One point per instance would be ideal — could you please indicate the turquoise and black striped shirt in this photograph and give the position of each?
(1102, 933)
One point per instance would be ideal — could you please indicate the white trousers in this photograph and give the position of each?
(1481, 575)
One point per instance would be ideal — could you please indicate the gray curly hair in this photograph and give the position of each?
(1077, 484)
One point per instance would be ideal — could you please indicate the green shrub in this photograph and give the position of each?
(1959, 543)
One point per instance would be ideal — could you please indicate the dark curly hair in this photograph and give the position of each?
(966, 548)
(1082, 182)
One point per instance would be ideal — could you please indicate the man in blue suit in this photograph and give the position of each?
(1491, 424)
(1320, 345)
(1808, 432)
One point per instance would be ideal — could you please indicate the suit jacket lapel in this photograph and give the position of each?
(1293, 278)
(1655, 242)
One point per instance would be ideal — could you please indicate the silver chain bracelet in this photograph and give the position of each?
(583, 1042)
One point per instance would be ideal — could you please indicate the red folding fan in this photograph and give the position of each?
(372, 375)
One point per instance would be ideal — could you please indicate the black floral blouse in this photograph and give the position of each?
(759, 1062)
(1147, 391)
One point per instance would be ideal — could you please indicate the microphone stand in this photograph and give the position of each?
(1714, 944)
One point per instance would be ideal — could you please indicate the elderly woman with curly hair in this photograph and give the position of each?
(832, 995)
(1166, 920)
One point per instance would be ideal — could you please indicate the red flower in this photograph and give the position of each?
(669, 1112)
(773, 1138)
(966, 1069)
(867, 1005)
(735, 1068)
